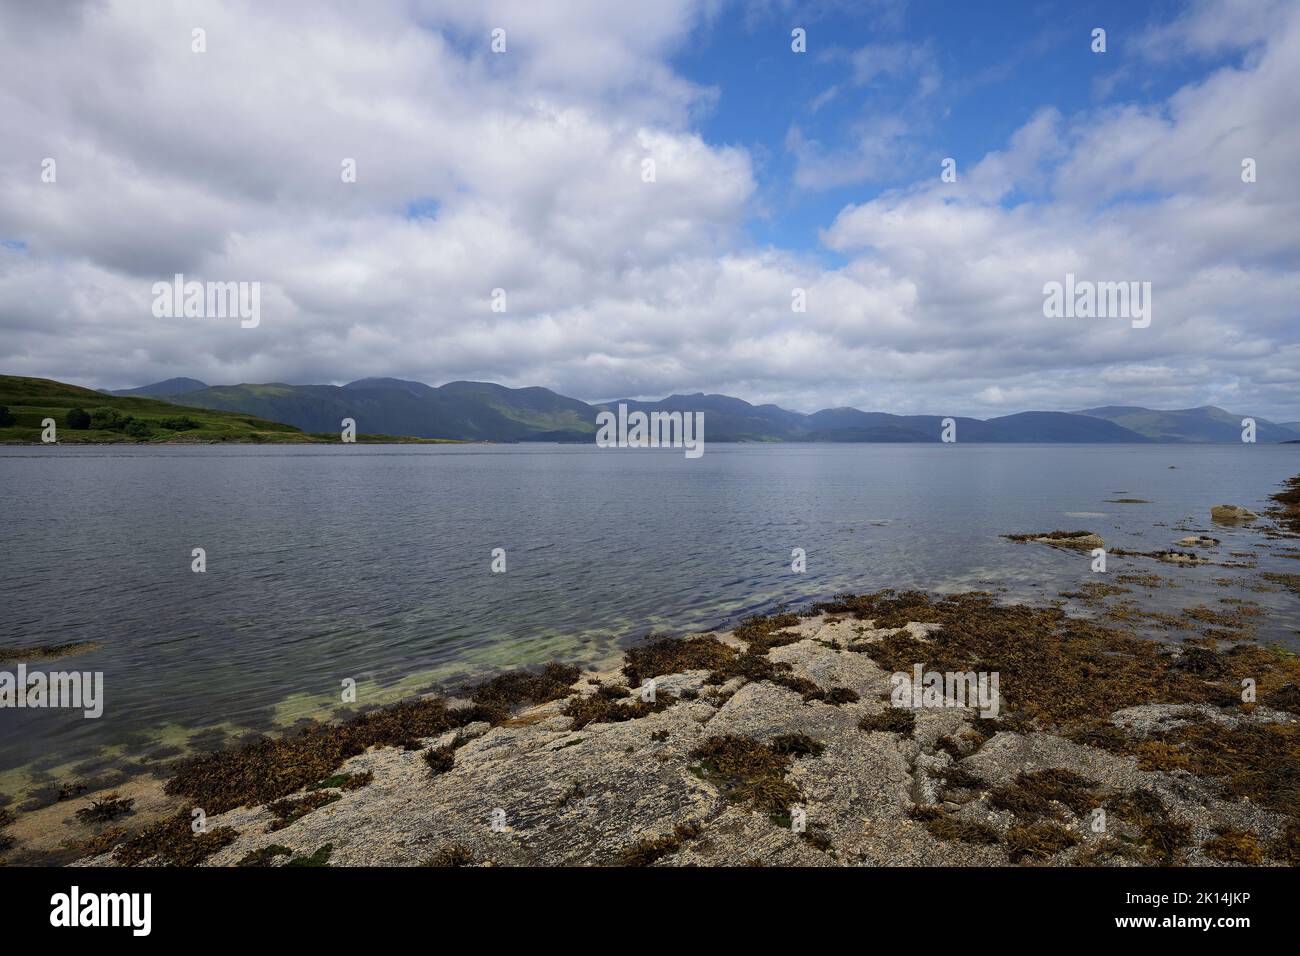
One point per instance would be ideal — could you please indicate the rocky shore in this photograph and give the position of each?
(796, 739)
(1107, 750)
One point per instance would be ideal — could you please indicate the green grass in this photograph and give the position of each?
(30, 400)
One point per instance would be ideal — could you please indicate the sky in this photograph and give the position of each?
(781, 178)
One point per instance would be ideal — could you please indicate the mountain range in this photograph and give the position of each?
(483, 411)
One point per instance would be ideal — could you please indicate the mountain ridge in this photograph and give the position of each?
(487, 411)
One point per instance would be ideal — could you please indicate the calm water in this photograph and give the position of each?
(375, 562)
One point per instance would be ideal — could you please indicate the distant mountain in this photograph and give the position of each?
(725, 418)
(529, 414)
(413, 388)
(173, 386)
(1204, 424)
(1057, 426)
(474, 411)
(483, 411)
(849, 424)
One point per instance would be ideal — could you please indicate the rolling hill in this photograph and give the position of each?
(136, 418)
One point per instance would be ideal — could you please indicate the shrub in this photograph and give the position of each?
(78, 419)
(109, 808)
(109, 419)
(137, 428)
(178, 423)
(6, 416)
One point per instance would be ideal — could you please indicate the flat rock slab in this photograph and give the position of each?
(534, 790)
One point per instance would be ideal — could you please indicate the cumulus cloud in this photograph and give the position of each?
(525, 171)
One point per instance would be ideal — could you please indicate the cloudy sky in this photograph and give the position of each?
(773, 171)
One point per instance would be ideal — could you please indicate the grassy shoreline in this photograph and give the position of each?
(146, 421)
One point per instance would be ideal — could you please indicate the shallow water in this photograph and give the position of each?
(374, 562)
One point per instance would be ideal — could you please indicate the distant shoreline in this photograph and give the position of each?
(399, 440)
(485, 411)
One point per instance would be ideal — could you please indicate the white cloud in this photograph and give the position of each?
(1214, 26)
(225, 165)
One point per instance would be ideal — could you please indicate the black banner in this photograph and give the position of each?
(330, 905)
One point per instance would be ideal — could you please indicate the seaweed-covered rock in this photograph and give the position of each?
(1086, 540)
(781, 747)
(1229, 514)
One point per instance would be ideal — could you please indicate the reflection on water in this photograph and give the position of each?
(374, 562)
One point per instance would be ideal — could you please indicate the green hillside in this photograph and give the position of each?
(133, 420)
